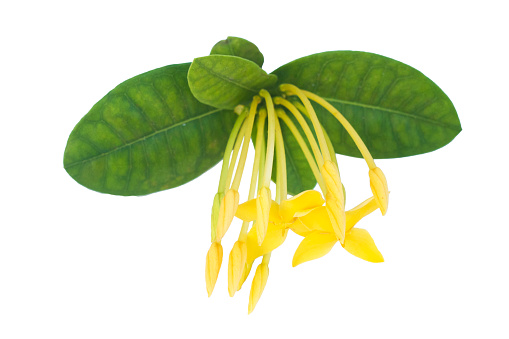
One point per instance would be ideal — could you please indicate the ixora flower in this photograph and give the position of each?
(166, 127)
(273, 218)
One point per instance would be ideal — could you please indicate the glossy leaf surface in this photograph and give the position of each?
(396, 110)
(225, 81)
(146, 135)
(239, 47)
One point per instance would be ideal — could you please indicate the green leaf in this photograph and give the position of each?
(239, 47)
(396, 110)
(299, 175)
(225, 81)
(148, 134)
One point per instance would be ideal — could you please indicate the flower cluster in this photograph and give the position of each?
(320, 218)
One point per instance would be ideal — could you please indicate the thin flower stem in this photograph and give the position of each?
(281, 162)
(305, 127)
(228, 151)
(236, 150)
(304, 147)
(262, 152)
(245, 145)
(349, 128)
(262, 115)
(266, 258)
(291, 89)
(269, 156)
(327, 139)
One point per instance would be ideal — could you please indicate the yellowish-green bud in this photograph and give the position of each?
(226, 213)
(236, 264)
(263, 203)
(332, 180)
(379, 188)
(213, 265)
(336, 212)
(258, 285)
(215, 214)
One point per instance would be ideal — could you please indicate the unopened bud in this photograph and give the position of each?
(216, 205)
(337, 217)
(263, 203)
(236, 264)
(379, 188)
(213, 265)
(226, 213)
(258, 285)
(332, 180)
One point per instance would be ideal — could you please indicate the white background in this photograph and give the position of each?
(78, 264)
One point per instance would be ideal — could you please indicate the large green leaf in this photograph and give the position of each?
(395, 108)
(225, 81)
(299, 175)
(146, 135)
(239, 47)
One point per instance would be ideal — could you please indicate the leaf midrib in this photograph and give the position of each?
(417, 117)
(225, 78)
(79, 162)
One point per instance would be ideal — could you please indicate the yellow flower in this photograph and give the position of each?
(319, 235)
(280, 219)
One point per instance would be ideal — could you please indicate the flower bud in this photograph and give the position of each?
(213, 265)
(263, 203)
(258, 284)
(379, 188)
(236, 264)
(216, 205)
(226, 213)
(332, 180)
(337, 216)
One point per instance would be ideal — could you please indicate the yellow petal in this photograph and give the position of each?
(300, 228)
(258, 285)
(212, 266)
(378, 185)
(316, 220)
(227, 211)
(236, 263)
(263, 204)
(359, 243)
(360, 211)
(274, 238)
(299, 203)
(247, 211)
(314, 246)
